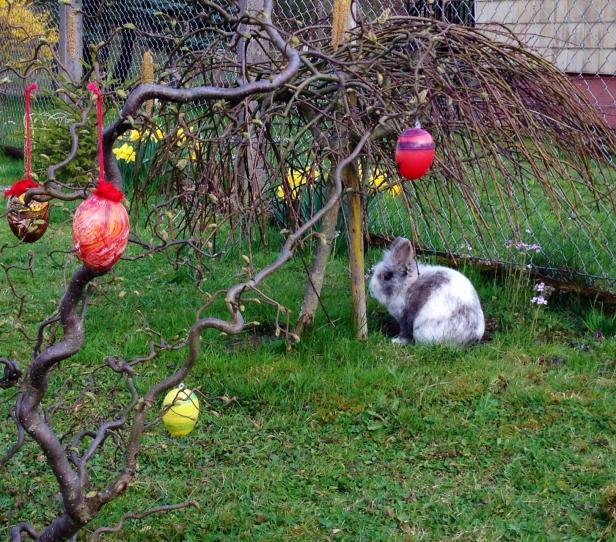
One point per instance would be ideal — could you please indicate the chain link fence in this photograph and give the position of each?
(23, 25)
(579, 37)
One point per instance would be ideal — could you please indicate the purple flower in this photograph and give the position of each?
(540, 287)
(539, 300)
(521, 246)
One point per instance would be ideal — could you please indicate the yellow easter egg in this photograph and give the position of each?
(181, 410)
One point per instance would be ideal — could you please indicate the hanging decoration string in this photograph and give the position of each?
(21, 186)
(104, 189)
(31, 88)
(99, 120)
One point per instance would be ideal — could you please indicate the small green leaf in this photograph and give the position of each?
(382, 19)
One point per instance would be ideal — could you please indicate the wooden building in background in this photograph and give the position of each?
(579, 36)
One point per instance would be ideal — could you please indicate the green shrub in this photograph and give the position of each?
(51, 143)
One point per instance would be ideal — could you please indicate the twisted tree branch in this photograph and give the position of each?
(140, 515)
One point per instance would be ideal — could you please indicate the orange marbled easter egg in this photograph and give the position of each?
(100, 232)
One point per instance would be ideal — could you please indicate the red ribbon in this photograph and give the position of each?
(29, 91)
(99, 119)
(20, 187)
(104, 189)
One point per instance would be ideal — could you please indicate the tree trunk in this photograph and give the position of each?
(316, 276)
(61, 529)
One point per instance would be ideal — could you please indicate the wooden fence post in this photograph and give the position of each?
(71, 38)
(147, 77)
(356, 252)
(342, 21)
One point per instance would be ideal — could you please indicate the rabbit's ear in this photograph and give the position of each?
(392, 247)
(402, 253)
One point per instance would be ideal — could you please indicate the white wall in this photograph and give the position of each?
(579, 36)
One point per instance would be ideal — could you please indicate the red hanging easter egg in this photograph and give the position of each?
(100, 228)
(414, 152)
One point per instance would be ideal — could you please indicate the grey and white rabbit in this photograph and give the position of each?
(432, 304)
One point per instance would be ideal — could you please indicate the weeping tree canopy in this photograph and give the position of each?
(257, 126)
(510, 129)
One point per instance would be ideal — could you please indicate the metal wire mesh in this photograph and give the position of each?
(23, 25)
(579, 37)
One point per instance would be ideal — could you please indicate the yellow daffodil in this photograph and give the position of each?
(379, 183)
(181, 137)
(394, 189)
(156, 134)
(295, 180)
(196, 150)
(125, 152)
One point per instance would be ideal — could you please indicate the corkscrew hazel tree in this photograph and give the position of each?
(491, 102)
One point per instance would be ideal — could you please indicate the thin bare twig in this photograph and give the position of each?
(140, 515)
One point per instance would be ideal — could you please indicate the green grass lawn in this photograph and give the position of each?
(333, 439)
(10, 170)
(11, 117)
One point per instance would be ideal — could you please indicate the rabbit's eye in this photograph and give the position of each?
(387, 275)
